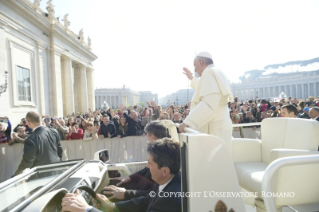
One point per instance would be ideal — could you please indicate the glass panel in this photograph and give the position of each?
(21, 190)
(24, 88)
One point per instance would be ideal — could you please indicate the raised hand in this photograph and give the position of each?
(153, 103)
(121, 108)
(188, 73)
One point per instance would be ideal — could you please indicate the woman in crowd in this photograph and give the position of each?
(70, 122)
(235, 119)
(91, 132)
(264, 105)
(301, 106)
(18, 137)
(75, 132)
(83, 125)
(97, 125)
(122, 128)
(5, 131)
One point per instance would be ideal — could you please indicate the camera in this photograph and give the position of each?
(78, 117)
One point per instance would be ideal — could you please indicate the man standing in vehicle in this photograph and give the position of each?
(42, 147)
(209, 108)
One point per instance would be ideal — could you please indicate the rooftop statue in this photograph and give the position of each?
(36, 3)
(81, 36)
(66, 21)
(89, 43)
(50, 8)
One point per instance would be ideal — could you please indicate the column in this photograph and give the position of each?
(84, 104)
(90, 88)
(309, 94)
(5, 99)
(68, 92)
(109, 99)
(41, 79)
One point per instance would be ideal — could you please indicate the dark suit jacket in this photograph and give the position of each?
(317, 119)
(42, 147)
(157, 203)
(140, 185)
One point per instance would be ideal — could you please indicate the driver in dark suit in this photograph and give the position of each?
(42, 147)
(164, 165)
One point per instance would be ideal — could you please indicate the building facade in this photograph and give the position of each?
(147, 96)
(49, 67)
(296, 84)
(125, 96)
(180, 97)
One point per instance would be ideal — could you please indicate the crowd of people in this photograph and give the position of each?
(130, 121)
(255, 110)
(105, 123)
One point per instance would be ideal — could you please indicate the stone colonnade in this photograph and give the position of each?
(299, 90)
(77, 86)
(113, 100)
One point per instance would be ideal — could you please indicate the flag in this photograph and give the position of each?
(142, 103)
(127, 105)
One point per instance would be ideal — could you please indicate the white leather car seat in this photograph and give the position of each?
(281, 137)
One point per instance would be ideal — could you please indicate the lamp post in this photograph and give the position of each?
(176, 100)
(3, 87)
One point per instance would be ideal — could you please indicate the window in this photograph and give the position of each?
(24, 88)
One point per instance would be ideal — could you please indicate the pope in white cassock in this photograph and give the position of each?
(209, 107)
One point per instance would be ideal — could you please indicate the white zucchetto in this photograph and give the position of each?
(204, 54)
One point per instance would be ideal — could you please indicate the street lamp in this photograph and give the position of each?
(3, 87)
(176, 100)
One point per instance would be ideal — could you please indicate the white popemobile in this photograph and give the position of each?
(277, 173)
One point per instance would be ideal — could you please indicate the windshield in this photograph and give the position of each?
(17, 192)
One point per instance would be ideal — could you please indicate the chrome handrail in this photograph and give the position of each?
(188, 129)
(274, 167)
(247, 124)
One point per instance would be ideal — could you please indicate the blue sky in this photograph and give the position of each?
(144, 44)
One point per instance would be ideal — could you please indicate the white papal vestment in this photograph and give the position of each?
(209, 108)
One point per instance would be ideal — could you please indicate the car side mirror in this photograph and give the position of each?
(102, 155)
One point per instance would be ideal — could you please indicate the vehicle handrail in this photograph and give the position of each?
(247, 124)
(274, 167)
(188, 129)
